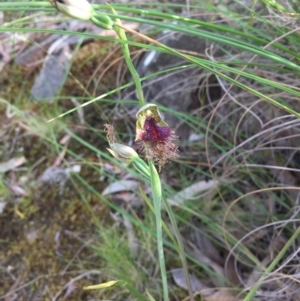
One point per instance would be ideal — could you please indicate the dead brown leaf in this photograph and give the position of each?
(223, 294)
(230, 271)
(193, 191)
(11, 164)
(196, 284)
(199, 256)
(204, 244)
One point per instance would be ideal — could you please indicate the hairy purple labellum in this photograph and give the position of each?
(155, 141)
(153, 133)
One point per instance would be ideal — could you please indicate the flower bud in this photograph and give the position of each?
(122, 152)
(78, 9)
(127, 155)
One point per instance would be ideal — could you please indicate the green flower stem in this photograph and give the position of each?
(157, 200)
(125, 49)
(164, 225)
(121, 33)
(155, 180)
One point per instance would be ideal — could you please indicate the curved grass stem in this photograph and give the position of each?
(272, 265)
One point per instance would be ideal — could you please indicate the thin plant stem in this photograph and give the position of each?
(130, 66)
(157, 200)
(155, 180)
(165, 227)
(126, 52)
